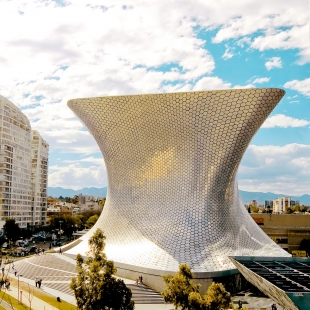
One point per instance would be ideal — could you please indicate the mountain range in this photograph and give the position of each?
(68, 192)
(260, 197)
(247, 197)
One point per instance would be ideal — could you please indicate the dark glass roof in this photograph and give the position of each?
(288, 276)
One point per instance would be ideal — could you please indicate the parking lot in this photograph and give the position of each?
(34, 246)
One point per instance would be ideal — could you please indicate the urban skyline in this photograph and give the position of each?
(53, 51)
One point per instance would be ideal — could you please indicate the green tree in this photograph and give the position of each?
(92, 221)
(102, 202)
(197, 302)
(12, 230)
(179, 287)
(95, 287)
(66, 220)
(183, 292)
(254, 209)
(78, 220)
(295, 209)
(81, 219)
(217, 297)
(303, 208)
(289, 210)
(75, 199)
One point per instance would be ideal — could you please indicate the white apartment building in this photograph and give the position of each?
(39, 167)
(281, 204)
(16, 188)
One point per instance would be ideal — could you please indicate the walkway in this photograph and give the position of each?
(56, 271)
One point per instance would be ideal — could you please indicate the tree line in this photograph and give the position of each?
(66, 222)
(96, 288)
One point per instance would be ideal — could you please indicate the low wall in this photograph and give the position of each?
(156, 282)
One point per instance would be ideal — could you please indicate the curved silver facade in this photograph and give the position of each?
(171, 161)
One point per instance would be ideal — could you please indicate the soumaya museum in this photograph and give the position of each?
(172, 197)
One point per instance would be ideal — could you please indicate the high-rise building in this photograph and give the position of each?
(281, 204)
(268, 204)
(16, 198)
(39, 161)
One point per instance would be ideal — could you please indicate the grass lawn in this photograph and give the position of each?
(12, 301)
(50, 299)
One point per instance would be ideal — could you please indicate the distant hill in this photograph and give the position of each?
(260, 197)
(247, 197)
(68, 192)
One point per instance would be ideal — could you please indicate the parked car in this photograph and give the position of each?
(19, 242)
(21, 251)
(33, 249)
(57, 243)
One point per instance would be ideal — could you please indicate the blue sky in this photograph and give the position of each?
(53, 51)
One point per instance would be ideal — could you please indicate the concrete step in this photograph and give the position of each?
(142, 294)
(57, 273)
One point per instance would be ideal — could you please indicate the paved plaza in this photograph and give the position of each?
(57, 270)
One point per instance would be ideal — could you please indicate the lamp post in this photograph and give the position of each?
(60, 225)
(20, 275)
(60, 229)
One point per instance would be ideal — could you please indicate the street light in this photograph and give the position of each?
(20, 275)
(60, 231)
(60, 225)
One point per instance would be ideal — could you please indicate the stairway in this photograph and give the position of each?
(142, 294)
(56, 272)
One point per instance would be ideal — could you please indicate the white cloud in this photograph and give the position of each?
(276, 22)
(74, 176)
(280, 169)
(91, 159)
(210, 82)
(283, 121)
(304, 56)
(285, 39)
(244, 41)
(274, 62)
(228, 54)
(244, 86)
(52, 53)
(261, 80)
(302, 86)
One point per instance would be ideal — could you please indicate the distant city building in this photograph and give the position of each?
(82, 199)
(84, 203)
(268, 204)
(17, 184)
(88, 203)
(295, 203)
(281, 204)
(254, 203)
(53, 209)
